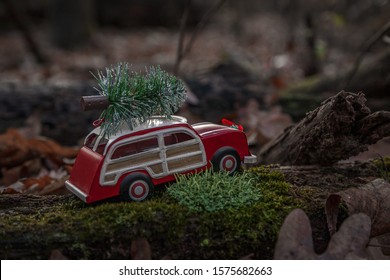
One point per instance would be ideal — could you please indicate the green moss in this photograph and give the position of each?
(215, 191)
(105, 231)
(383, 166)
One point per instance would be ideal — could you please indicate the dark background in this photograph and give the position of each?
(250, 60)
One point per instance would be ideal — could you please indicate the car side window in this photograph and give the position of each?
(175, 138)
(91, 140)
(135, 147)
(101, 145)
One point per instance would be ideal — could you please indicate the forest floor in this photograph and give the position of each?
(262, 54)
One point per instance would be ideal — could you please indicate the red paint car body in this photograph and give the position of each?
(131, 162)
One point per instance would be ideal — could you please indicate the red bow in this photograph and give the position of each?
(232, 124)
(98, 122)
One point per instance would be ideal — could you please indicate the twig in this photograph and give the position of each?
(379, 246)
(310, 38)
(383, 170)
(183, 51)
(183, 23)
(366, 48)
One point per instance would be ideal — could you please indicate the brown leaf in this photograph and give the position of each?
(9, 190)
(373, 199)
(24, 158)
(38, 183)
(57, 255)
(379, 247)
(51, 149)
(140, 249)
(384, 243)
(14, 149)
(55, 187)
(26, 169)
(248, 257)
(295, 238)
(351, 240)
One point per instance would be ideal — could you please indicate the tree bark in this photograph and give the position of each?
(94, 102)
(341, 127)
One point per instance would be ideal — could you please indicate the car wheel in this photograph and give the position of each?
(226, 159)
(136, 187)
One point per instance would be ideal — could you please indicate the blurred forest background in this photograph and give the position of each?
(263, 64)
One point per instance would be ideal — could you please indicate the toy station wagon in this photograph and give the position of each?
(131, 162)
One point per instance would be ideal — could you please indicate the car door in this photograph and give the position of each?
(134, 154)
(183, 151)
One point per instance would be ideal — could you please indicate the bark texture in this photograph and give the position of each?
(341, 127)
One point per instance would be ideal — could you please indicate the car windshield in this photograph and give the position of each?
(96, 143)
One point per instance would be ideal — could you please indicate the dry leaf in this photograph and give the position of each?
(55, 187)
(40, 182)
(295, 239)
(373, 199)
(57, 255)
(384, 243)
(351, 240)
(379, 247)
(248, 257)
(140, 249)
(12, 189)
(23, 164)
(14, 149)
(51, 149)
(26, 169)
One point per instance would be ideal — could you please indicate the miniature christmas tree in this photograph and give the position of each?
(129, 97)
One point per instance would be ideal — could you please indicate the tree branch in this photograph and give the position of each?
(23, 27)
(366, 48)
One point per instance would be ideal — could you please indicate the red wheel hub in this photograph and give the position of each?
(139, 190)
(228, 163)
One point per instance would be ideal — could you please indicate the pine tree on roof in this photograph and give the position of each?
(129, 97)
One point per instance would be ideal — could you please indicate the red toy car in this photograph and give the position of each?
(131, 162)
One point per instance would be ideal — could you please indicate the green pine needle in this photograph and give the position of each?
(134, 97)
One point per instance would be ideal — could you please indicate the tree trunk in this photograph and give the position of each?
(94, 102)
(72, 22)
(341, 127)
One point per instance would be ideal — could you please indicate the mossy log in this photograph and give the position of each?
(33, 227)
(341, 127)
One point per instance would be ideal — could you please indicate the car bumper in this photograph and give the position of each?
(250, 159)
(76, 191)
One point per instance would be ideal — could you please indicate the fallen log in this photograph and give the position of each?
(343, 126)
(56, 110)
(41, 227)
